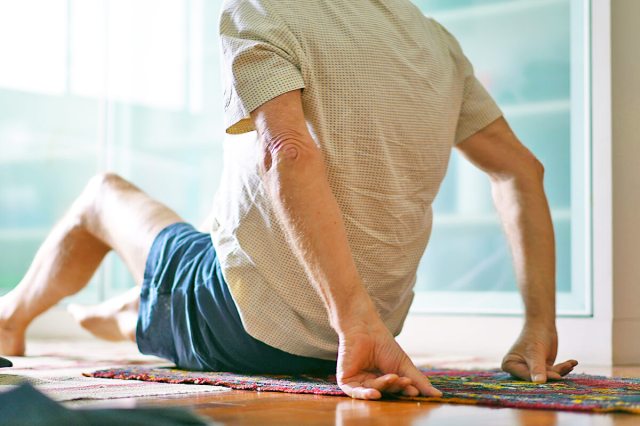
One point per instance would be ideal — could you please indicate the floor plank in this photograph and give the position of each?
(272, 408)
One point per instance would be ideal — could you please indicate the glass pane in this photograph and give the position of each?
(537, 75)
(139, 93)
(31, 43)
(132, 87)
(165, 133)
(48, 136)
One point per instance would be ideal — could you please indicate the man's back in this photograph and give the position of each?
(383, 91)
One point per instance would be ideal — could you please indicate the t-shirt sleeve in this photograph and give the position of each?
(259, 60)
(478, 108)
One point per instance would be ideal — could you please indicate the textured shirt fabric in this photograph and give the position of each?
(386, 94)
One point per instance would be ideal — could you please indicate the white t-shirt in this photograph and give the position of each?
(386, 93)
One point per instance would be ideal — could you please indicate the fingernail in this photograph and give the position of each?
(539, 378)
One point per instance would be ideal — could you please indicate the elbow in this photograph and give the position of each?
(530, 177)
(537, 170)
(527, 172)
(289, 157)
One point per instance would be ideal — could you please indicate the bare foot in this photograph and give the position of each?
(114, 319)
(12, 340)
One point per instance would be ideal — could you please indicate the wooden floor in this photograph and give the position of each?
(270, 408)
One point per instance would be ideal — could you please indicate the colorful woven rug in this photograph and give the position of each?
(579, 392)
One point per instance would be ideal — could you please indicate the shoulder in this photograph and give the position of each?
(249, 14)
(450, 43)
(248, 6)
(443, 34)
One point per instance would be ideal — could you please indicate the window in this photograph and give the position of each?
(538, 74)
(134, 87)
(95, 85)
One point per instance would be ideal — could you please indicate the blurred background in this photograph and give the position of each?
(134, 87)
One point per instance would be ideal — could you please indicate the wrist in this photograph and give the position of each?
(541, 315)
(359, 315)
(540, 323)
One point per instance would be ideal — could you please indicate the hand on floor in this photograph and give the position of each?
(371, 363)
(532, 356)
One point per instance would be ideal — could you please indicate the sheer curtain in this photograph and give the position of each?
(134, 87)
(94, 85)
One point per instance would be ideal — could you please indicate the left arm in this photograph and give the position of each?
(370, 362)
(518, 192)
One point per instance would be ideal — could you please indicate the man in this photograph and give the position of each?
(321, 219)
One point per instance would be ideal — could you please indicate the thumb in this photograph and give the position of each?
(538, 369)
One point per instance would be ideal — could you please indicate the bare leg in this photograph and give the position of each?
(116, 318)
(110, 214)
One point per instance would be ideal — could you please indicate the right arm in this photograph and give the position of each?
(518, 191)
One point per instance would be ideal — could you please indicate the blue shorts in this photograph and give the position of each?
(187, 314)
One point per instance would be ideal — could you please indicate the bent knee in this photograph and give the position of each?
(105, 184)
(100, 187)
(105, 181)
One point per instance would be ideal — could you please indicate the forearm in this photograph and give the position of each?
(525, 215)
(518, 191)
(295, 179)
(312, 221)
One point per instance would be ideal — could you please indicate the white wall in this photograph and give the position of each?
(625, 26)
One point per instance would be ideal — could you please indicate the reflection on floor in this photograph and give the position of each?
(244, 407)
